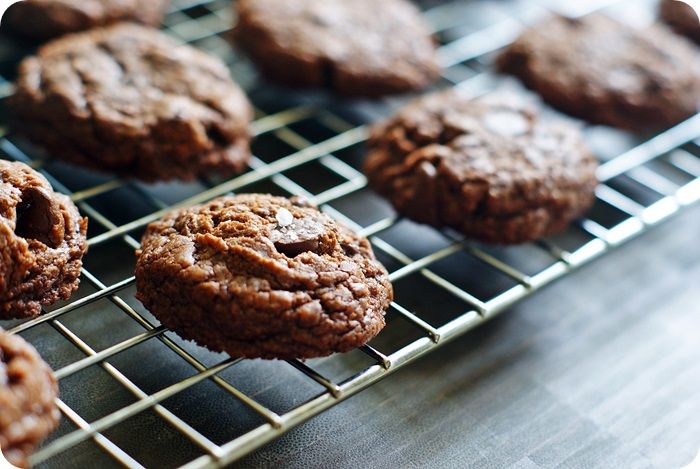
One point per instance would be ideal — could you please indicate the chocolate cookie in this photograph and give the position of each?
(607, 72)
(45, 19)
(42, 242)
(360, 47)
(487, 167)
(28, 391)
(259, 276)
(131, 100)
(682, 18)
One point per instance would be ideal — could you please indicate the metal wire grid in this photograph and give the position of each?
(641, 186)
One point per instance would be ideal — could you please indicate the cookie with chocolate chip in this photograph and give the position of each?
(359, 47)
(259, 276)
(28, 392)
(607, 72)
(46, 19)
(133, 101)
(488, 167)
(42, 242)
(681, 17)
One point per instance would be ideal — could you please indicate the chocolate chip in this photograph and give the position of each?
(302, 235)
(39, 218)
(350, 249)
(572, 21)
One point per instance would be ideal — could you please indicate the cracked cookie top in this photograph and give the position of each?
(360, 47)
(486, 166)
(262, 276)
(28, 391)
(42, 242)
(132, 100)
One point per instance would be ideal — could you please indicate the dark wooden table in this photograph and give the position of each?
(601, 369)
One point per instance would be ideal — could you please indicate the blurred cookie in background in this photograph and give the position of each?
(358, 48)
(131, 100)
(606, 72)
(46, 19)
(682, 17)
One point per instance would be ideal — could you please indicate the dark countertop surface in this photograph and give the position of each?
(601, 369)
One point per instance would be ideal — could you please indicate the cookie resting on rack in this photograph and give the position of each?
(607, 72)
(46, 19)
(133, 101)
(357, 48)
(681, 17)
(42, 242)
(28, 391)
(259, 276)
(487, 167)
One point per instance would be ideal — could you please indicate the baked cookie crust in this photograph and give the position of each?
(487, 167)
(131, 100)
(28, 391)
(259, 276)
(607, 72)
(357, 48)
(42, 242)
(47, 19)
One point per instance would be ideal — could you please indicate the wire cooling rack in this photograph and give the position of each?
(134, 394)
